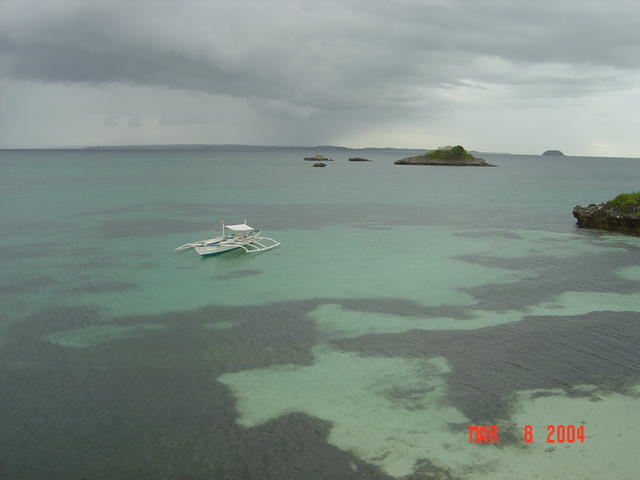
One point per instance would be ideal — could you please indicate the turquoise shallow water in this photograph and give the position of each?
(404, 304)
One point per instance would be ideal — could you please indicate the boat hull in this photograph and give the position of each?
(209, 251)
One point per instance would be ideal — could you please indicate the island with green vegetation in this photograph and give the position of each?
(446, 156)
(552, 153)
(622, 214)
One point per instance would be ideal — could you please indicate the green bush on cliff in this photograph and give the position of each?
(626, 201)
(450, 154)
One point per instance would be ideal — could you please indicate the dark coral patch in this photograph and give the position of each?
(490, 365)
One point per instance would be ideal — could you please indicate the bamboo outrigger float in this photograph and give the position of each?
(233, 237)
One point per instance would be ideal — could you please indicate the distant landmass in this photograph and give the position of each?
(244, 148)
(557, 153)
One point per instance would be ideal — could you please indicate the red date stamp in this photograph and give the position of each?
(554, 434)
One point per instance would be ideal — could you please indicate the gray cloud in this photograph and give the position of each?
(340, 55)
(299, 59)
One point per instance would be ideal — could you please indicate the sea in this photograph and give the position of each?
(416, 322)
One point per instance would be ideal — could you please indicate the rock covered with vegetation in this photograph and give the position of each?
(318, 158)
(448, 156)
(622, 214)
(557, 153)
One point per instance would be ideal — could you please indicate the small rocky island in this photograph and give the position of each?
(318, 158)
(447, 156)
(622, 214)
(552, 153)
(359, 159)
(320, 164)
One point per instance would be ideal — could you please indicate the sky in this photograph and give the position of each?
(492, 75)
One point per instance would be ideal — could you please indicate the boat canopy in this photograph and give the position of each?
(242, 227)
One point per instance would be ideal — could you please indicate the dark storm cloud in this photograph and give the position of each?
(330, 55)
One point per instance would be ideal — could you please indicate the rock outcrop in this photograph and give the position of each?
(318, 158)
(359, 159)
(319, 164)
(616, 216)
(557, 153)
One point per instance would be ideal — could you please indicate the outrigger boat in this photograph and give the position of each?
(233, 236)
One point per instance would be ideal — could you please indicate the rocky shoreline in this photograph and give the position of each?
(608, 216)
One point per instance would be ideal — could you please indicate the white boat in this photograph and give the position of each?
(233, 237)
